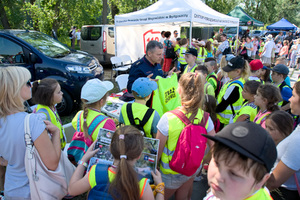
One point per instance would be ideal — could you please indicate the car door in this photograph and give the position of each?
(13, 53)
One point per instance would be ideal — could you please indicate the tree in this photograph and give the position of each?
(3, 16)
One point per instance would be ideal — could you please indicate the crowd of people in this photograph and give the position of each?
(248, 111)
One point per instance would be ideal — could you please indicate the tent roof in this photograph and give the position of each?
(282, 24)
(177, 12)
(245, 19)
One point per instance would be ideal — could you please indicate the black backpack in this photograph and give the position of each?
(170, 53)
(70, 33)
(142, 122)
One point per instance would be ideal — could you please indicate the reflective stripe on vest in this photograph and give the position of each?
(201, 58)
(138, 111)
(175, 128)
(56, 121)
(181, 58)
(226, 114)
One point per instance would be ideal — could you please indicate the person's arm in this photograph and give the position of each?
(49, 150)
(162, 141)
(232, 97)
(79, 184)
(148, 194)
(242, 118)
(279, 176)
(286, 106)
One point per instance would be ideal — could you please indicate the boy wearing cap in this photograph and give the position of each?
(137, 113)
(211, 65)
(255, 70)
(242, 158)
(190, 57)
(279, 73)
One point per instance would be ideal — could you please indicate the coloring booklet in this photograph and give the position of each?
(144, 166)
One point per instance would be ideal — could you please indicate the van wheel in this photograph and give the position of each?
(65, 107)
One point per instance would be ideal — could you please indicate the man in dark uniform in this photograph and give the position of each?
(149, 64)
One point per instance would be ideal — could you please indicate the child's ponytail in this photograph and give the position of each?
(127, 145)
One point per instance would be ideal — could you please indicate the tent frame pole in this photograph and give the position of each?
(190, 39)
(236, 45)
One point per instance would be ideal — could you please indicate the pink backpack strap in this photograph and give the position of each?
(186, 121)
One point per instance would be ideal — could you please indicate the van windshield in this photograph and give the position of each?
(45, 44)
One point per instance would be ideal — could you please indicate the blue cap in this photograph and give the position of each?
(143, 87)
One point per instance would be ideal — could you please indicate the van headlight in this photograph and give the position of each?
(78, 69)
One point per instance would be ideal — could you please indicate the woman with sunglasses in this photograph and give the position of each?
(15, 88)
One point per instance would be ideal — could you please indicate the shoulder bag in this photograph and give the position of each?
(45, 183)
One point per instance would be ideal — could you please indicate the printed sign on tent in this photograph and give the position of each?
(150, 35)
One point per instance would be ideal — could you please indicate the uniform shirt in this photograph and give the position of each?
(142, 68)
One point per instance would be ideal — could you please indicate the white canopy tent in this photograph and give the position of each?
(137, 28)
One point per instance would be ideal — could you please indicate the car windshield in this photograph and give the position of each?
(45, 44)
(231, 30)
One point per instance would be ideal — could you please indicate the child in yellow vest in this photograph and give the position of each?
(255, 70)
(266, 98)
(93, 96)
(47, 93)
(249, 110)
(135, 113)
(208, 88)
(127, 144)
(240, 164)
(190, 57)
(230, 99)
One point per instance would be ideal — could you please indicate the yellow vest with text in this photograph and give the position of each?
(138, 111)
(54, 118)
(226, 114)
(175, 128)
(201, 57)
(92, 114)
(181, 58)
(166, 97)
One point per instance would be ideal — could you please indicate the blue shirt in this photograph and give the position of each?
(142, 68)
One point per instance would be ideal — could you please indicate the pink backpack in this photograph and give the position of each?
(190, 147)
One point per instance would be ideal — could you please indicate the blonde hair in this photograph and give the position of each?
(246, 71)
(12, 79)
(192, 92)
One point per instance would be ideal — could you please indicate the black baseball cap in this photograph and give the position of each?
(235, 63)
(281, 69)
(191, 51)
(250, 140)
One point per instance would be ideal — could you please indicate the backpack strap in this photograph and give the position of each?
(102, 175)
(281, 86)
(129, 113)
(79, 121)
(186, 121)
(95, 123)
(242, 85)
(146, 117)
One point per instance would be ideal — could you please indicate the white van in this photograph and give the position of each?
(98, 40)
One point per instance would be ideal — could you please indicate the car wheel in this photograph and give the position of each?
(66, 106)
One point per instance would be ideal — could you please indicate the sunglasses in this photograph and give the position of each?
(28, 83)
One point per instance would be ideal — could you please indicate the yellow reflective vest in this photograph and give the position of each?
(55, 119)
(138, 112)
(166, 97)
(92, 114)
(192, 70)
(175, 128)
(181, 58)
(201, 57)
(226, 114)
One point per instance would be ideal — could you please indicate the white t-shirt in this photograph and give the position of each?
(277, 47)
(162, 40)
(77, 35)
(288, 152)
(269, 46)
(163, 125)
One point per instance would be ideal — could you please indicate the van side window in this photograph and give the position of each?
(111, 32)
(10, 52)
(91, 33)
